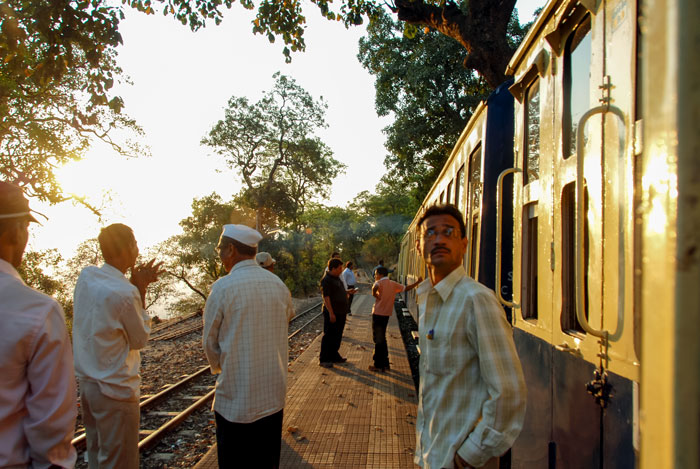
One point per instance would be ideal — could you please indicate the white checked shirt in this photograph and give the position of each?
(37, 395)
(472, 392)
(110, 326)
(245, 340)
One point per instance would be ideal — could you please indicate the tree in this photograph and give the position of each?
(479, 26)
(421, 81)
(271, 145)
(57, 65)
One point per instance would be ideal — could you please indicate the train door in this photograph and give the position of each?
(575, 239)
(532, 275)
(593, 234)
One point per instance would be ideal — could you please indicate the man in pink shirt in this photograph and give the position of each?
(384, 290)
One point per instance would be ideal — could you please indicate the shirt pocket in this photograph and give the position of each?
(439, 356)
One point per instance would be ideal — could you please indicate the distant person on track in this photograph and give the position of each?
(472, 393)
(37, 395)
(384, 290)
(110, 326)
(246, 319)
(266, 261)
(335, 310)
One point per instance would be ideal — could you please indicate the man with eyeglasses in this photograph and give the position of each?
(472, 392)
(245, 339)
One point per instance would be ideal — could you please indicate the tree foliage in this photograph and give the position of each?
(57, 67)
(270, 144)
(419, 80)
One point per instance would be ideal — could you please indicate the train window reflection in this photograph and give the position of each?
(528, 282)
(569, 322)
(532, 133)
(577, 83)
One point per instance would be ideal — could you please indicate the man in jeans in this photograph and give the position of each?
(384, 290)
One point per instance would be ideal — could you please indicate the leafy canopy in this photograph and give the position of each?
(272, 146)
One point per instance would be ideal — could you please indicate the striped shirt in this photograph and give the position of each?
(472, 392)
(245, 340)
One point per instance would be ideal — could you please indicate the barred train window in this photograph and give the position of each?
(577, 83)
(569, 322)
(532, 133)
(473, 209)
(528, 282)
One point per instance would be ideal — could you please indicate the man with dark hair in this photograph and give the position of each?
(246, 318)
(384, 290)
(472, 393)
(37, 396)
(335, 310)
(110, 326)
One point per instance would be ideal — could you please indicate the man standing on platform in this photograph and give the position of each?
(37, 396)
(110, 326)
(335, 310)
(384, 290)
(472, 393)
(245, 339)
(350, 282)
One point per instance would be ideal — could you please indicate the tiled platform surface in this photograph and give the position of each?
(348, 416)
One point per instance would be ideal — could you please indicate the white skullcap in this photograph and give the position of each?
(264, 259)
(242, 234)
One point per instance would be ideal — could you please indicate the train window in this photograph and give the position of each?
(459, 182)
(528, 282)
(532, 133)
(442, 197)
(448, 193)
(569, 322)
(577, 82)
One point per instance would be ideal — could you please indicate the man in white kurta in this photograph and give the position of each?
(245, 340)
(37, 395)
(110, 326)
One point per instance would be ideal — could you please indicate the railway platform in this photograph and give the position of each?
(348, 416)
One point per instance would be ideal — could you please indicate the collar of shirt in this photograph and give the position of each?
(244, 264)
(7, 268)
(445, 286)
(113, 271)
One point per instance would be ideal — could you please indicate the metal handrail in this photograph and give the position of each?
(579, 274)
(499, 229)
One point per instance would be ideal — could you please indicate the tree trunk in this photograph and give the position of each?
(482, 30)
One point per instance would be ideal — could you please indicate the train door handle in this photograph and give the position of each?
(579, 272)
(499, 227)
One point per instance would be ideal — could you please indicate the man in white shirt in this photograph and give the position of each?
(37, 395)
(110, 326)
(246, 319)
(472, 395)
(349, 282)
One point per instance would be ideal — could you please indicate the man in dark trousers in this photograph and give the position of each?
(335, 310)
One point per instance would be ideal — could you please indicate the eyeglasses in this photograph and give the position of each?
(449, 232)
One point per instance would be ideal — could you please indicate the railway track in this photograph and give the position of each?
(163, 412)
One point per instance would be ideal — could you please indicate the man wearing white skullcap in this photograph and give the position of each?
(245, 339)
(265, 260)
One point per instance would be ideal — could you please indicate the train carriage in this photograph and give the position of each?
(605, 231)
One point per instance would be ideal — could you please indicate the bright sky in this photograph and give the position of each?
(181, 84)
